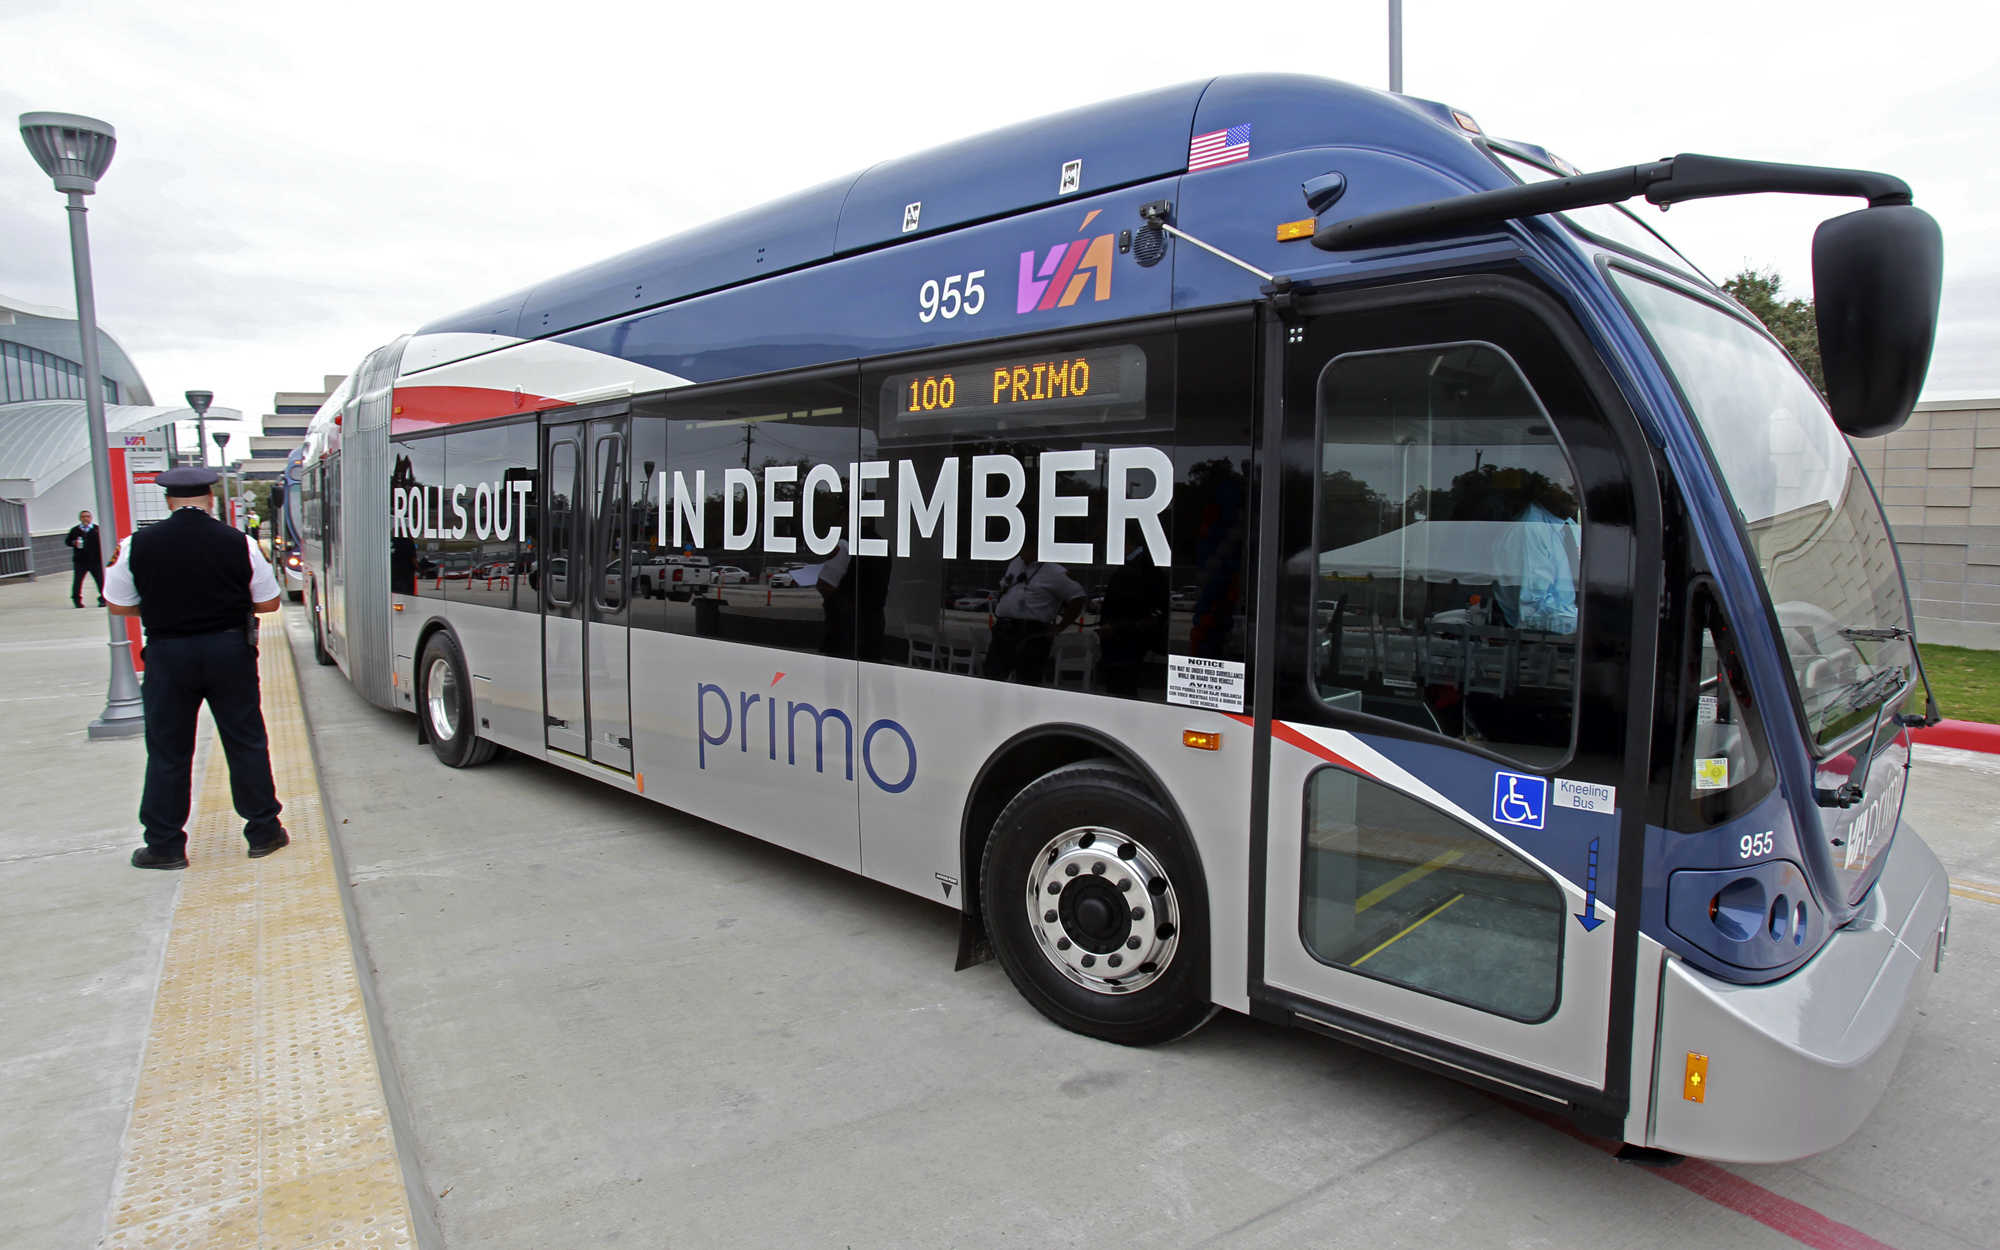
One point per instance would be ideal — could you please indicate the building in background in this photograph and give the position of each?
(1939, 477)
(45, 476)
(284, 430)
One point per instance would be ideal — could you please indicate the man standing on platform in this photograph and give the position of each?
(196, 584)
(86, 558)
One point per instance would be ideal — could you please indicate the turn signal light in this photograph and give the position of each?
(1201, 740)
(1300, 229)
(1694, 1087)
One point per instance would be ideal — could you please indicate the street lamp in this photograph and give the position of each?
(74, 152)
(199, 401)
(222, 455)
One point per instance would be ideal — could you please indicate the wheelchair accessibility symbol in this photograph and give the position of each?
(1520, 800)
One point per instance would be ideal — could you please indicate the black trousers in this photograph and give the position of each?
(77, 573)
(180, 674)
(1019, 649)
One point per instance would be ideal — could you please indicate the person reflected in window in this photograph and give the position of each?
(1133, 621)
(1038, 601)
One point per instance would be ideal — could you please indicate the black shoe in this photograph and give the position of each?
(100, 602)
(147, 857)
(284, 840)
(77, 602)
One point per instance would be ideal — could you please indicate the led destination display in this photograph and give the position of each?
(1097, 386)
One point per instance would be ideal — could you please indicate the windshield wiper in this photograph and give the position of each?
(1889, 634)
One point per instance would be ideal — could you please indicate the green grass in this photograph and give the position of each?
(1966, 682)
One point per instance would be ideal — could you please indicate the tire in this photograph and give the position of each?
(296, 596)
(444, 700)
(1088, 839)
(320, 654)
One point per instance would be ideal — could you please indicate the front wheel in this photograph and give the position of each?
(1096, 909)
(444, 700)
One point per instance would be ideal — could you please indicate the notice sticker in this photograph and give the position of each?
(1705, 710)
(1197, 682)
(1712, 774)
(1586, 796)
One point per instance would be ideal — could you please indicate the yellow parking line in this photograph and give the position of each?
(1974, 890)
(260, 1119)
(1414, 875)
(1406, 932)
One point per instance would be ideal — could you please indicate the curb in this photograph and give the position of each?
(1965, 735)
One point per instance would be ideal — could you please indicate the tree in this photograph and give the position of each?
(1791, 322)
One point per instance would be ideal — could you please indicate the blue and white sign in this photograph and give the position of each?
(1519, 799)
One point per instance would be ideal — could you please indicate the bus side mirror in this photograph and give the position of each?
(1876, 279)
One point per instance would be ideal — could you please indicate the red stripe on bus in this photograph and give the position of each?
(427, 407)
(1726, 1189)
(1285, 733)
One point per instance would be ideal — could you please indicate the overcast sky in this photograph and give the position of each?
(297, 184)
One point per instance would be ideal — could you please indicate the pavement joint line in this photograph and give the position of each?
(1974, 890)
(259, 1119)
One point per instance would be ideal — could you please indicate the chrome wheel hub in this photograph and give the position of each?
(441, 693)
(1103, 910)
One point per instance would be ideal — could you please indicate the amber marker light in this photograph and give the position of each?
(1302, 229)
(1201, 740)
(1695, 1087)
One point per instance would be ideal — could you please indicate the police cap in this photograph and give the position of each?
(187, 480)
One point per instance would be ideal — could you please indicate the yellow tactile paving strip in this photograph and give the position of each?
(260, 1120)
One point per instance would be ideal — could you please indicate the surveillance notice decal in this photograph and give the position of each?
(1196, 682)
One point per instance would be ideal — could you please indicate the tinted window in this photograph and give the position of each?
(1397, 890)
(1450, 543)
(490, 476)
(557, 545)
(421, 523)
(753, 516)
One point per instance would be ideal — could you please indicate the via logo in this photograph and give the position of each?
(1060, 278)
(1519, 799)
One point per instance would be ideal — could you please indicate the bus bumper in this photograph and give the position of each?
(1794, 1067)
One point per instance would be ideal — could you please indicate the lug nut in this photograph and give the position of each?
(1098, 869)
(1049, 916)
(1138, 913)
(1090, 961)
(1062, 944)
(1069, 870)
(1055, 887)
(1125, 883)
(1131, 944)
(1115, 960)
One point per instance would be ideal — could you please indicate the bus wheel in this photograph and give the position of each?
(444, 700)
(1095, 908)
(320, 654)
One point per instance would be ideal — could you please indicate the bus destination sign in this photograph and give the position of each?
(1089, 387)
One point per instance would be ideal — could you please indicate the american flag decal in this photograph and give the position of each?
(1219, 147)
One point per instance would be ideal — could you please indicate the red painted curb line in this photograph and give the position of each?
(1965, 735)
(1725, 1188)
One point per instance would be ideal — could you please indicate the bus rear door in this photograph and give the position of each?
(1454, 687)
(585, 636)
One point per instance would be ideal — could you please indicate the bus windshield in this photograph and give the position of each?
(1823, 549)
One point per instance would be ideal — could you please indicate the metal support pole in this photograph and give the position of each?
(1396, 46)
(124, 715)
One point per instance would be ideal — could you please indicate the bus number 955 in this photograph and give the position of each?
(948, 299)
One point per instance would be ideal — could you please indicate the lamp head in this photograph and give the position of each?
(221, 438)
(199, 401)
(74, 151)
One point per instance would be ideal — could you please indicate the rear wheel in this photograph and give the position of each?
(1096, 909)
(320, 654)
(444, 700)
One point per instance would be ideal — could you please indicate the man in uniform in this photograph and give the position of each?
(86, 558)
(1038, 601)
(196, 583)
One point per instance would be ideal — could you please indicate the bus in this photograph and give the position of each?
(287, 559)
(1262, 544)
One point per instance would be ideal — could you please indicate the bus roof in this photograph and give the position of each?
(1120, 142)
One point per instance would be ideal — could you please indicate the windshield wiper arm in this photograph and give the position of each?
(1889, 634)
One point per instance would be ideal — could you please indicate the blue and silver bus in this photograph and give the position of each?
(1261, 544)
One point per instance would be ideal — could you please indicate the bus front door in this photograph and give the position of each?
(585, 655)
(1454, 688)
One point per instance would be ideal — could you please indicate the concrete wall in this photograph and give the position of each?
(1939, 477)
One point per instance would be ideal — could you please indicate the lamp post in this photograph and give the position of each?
(199, 401)
(222, 455)
(74, 152)
(1396, 46)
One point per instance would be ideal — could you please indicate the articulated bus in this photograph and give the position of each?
(287, 552)
(1260, 544)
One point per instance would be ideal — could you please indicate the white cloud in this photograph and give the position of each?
(297, 184)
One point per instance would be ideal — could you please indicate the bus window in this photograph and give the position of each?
(1066, 516)
(488, 483)
(421, 521)
(1396, 890)
(555, 573)
(1449, 545)
(1725, 768)
(752, 515)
